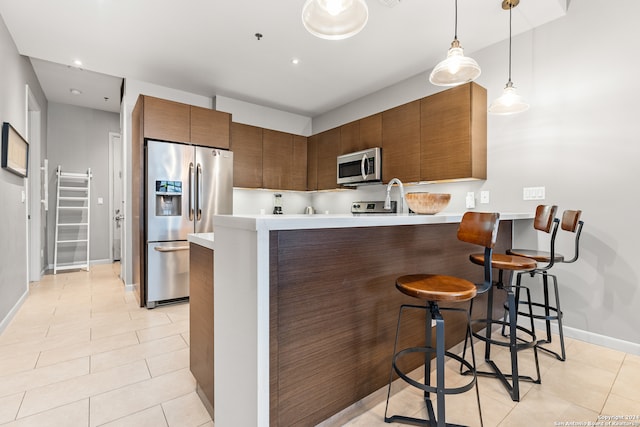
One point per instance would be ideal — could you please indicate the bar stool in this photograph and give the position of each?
(476, 228)
(570, 222)
(527, 339)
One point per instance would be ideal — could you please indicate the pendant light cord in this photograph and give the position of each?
(455, 35)
(510, 8)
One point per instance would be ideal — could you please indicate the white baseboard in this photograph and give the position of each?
(91, 262)
(591, 337)
(128, 287)
(5, 322)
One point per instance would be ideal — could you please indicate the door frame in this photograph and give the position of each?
(36, 203)
(113, 136)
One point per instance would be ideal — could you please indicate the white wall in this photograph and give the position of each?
(265, 117)
(580, 140)
(16, 72)
(78, 139)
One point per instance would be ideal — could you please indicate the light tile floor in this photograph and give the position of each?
(80, 352)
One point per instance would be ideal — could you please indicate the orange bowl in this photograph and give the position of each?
(427, 203)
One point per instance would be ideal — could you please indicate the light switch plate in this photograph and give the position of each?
(533, 193)
(484, 196)
(471, 200)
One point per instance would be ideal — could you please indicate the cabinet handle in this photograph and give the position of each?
(191, 192)
(171, 248)
(199, 192)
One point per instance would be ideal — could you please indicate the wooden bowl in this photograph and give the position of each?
(427, 203)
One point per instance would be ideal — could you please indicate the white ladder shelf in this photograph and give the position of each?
(73, 211)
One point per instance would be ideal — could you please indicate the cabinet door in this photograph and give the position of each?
(401, 143)
(312, 162)
(166, 120)
(454, 134)
(246, 144)
(137, 201)
(350, 137)
(299, 168)
(210, 128)
(277, 159)
(370, 132)
(201, 318)
(328, 151)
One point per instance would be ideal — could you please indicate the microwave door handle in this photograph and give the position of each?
(364, 166)
(199, 193)
(191, 193)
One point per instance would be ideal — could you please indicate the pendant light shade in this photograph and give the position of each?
(509, 102)
(335, 19)
(457, 68)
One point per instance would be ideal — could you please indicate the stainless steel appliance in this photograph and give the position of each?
(185, 186)
(373, 207)
(361, 167)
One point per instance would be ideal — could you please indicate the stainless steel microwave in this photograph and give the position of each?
(361, 167)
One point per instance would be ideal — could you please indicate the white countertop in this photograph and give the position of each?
(297, 222)
(202, 239)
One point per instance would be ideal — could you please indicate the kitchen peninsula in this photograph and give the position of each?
(305, 307)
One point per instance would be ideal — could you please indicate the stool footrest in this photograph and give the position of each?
(426, 387)
(538, 316)
(521, 346)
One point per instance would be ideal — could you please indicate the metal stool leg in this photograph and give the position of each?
(550, 313)
(433, 313)
(548, 317)
(515, 343)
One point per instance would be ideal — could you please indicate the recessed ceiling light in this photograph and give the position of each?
(77, 63)
(75, 91)
(295, 61)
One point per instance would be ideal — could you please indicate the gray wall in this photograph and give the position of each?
(16, 72)
(78, 139)
(580, 139)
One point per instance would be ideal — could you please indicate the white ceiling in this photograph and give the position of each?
(208, 47)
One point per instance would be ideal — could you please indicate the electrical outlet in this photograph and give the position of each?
(533, 193)
(471, 200)
(484, 196)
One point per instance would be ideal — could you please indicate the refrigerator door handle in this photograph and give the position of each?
(199, 193)
(171, 248)
(191, 193)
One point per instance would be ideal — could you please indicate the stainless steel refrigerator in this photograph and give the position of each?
(185, 186)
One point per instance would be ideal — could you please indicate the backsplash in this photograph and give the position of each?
(255, 202)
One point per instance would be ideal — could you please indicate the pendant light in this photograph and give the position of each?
(335, 19)
(457, 68)
(510, 102)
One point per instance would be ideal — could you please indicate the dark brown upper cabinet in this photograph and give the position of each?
(454, 134)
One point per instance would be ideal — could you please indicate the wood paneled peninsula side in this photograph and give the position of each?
(305, 307)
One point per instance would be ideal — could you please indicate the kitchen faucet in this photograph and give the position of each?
(387, 200)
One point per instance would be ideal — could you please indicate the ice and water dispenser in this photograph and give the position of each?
(168, 198)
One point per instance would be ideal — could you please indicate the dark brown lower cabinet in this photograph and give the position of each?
(201, 321)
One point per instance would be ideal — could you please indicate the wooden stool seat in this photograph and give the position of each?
(539, 256)
(436, 287)
(506, 261)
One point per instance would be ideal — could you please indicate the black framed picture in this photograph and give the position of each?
(15, 151)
